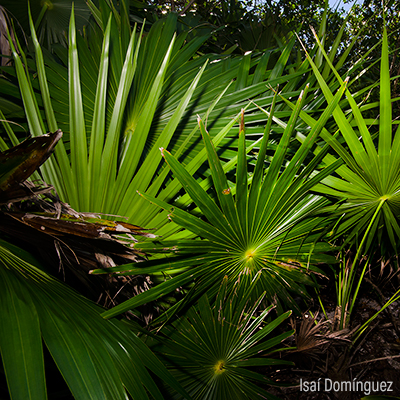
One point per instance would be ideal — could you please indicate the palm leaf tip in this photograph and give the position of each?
(241, 128)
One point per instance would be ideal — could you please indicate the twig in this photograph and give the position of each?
(375, 359)
(187, 7)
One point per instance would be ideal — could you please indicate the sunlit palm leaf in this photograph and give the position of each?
(270, 234)
(369, 182)
(127, 125)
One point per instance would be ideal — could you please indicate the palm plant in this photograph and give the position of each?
(368, 185)
(121, 137)
(213, 350)
(123, 108)
(369, 180)
(268, 227)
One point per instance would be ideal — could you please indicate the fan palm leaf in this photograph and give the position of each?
(263, 224)
(368, 183)
(133, 107)
(212, 348)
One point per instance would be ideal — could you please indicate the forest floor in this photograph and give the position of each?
(328, 366)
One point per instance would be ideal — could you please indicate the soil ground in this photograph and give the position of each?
(326, 359)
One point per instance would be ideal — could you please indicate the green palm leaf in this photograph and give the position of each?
(146, 95)
(20, 340)
(368, 182)
(211, 349)
(86, 348)
(276, 238)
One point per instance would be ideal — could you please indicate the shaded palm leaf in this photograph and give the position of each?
(86, 349)
(51, 18)
(212, 348)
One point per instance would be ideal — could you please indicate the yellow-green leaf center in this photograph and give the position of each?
(219, 367)
(249, 255)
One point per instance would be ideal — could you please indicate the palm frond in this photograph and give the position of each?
(86, 348)
(212, 350)
(269, 230)
(368, 183)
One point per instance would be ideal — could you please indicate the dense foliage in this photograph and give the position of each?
(206, 167)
